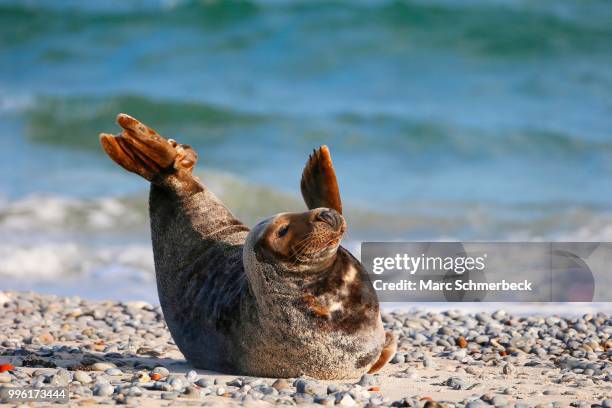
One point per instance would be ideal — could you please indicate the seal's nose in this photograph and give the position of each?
(330, 217)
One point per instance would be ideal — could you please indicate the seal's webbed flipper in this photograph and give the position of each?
(387, 353)
(141, 150)
(319, 185)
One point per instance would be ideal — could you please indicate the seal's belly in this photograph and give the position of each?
(321, 355)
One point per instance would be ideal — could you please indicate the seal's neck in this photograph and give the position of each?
(279, 291)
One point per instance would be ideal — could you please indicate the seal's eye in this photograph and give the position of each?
(282, 231)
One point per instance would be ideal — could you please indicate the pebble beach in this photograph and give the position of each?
(110, 353)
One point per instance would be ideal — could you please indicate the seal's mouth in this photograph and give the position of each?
(328, 228)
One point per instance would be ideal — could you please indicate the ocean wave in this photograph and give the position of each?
(74, 122)
(105, 240)
(40, 218)
(48, 213)
(46, 261)
(500, 28)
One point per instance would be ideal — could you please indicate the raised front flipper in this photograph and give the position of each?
(319, 184)
(141, 150)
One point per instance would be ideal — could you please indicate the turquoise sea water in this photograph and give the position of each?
(481, 120)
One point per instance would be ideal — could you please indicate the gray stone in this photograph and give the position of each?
(280, 384)
(162, 371)
(103, 389)
(101, 366)
(169, 395)
(192, 376)
(456, 383)
(82, 377)
(368, 380)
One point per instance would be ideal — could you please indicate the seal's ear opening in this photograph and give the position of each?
(319, 184)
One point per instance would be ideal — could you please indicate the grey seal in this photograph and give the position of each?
(282, 299)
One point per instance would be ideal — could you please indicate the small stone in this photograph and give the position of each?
(472, 370)
(280, 384)
(113, 371)
(455, 383)
(46, 338)
(220, 391)
(303, 398)
(82, 391)
(311, 387)
(325, 400)
(508, 369)
(141, 377)
(192, 376)
(347, 401)
(103, 389)
(368, 380)
(162, 371)
(169, 395)
(203, 382)
(102, 366)
(61, 378)
(332, 388)
(82, 377)
(134, 391)
(177, 383)
(488, 398)
(398, 358)
(429, 362)
(192, 392)
(121, 399)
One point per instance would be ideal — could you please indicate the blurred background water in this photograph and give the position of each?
(462, 120)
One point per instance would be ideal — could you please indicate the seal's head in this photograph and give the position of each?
(299, 241)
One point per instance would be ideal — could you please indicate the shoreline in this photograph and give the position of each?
(110, 352)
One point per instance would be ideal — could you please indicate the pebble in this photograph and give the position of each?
(192, 392)
(456, 383)
(203, 382)
(134, 392)
(368, 380)
(103, 389)
(177, 383)
(347, 401)
(61, 378)
(113, 371)
(192, 376)
(82, 377)
(162, 371)
(169, 395)
(280, 384)
(102, 366)
(325, 400)
(141, 377)
(312, 387)
(508, 369)
(566, 353)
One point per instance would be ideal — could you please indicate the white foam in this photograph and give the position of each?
(46, 261)
(39, 212)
